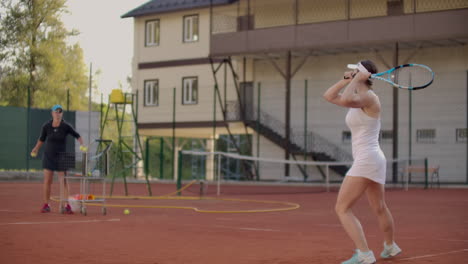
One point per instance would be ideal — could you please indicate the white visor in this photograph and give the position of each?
(358, 66)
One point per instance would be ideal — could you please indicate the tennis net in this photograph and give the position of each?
(222, 169)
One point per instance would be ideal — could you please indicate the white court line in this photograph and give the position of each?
(437, 239)
(421, 238)
(62, 222)
(433, 255)
(247, 228)
(234, 227)
(257, 229)
(329, 225)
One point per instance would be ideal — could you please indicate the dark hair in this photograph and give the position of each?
(370, 66)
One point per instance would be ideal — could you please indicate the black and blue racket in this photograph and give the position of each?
(407, 76)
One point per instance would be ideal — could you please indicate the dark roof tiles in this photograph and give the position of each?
(164, 6)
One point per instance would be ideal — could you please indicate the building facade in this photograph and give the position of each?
(259, 67)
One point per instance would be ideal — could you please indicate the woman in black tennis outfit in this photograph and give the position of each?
(54, 134)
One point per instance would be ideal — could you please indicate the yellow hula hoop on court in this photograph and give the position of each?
(288, 205)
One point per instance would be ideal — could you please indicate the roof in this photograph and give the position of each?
(164, 6)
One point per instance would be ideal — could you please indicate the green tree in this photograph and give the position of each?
(35, 57)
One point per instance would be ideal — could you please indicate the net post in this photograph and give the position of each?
(406, 173)
(84, 167)
(106, 163)
(202, 188)
(327, 177)
(426, 183)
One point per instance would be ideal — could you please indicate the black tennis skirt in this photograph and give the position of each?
(61, 161)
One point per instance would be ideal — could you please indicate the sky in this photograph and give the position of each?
(106, 39)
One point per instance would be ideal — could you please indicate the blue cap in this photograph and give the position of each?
(57, 106)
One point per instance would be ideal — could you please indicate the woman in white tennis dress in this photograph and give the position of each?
(367, 174)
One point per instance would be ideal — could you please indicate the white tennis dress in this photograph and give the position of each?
(369, 160)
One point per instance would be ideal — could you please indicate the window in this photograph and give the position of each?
(190, 90)
(386, 136)
(152, 33)
(151, 92)
(191, 28)
(425, 135)
(346, 136)
(461, 134)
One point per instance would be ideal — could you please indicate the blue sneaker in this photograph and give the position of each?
(361, 258)
(390, 251)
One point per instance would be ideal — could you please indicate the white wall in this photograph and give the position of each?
(441, 106)
(82, 127)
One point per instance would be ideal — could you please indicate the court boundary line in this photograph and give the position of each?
(63, 222)
(431, 255)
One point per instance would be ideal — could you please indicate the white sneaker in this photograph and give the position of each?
(361, 258)
(390, 251)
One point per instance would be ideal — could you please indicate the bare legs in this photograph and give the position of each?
(48, 179)
(351, 190)
(376, 196)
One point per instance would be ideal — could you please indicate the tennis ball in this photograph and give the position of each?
(126, 212)
(83, 148)
(33, 154)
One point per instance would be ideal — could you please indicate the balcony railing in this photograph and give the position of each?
(258, 14)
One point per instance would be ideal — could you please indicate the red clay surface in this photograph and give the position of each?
(431, 227)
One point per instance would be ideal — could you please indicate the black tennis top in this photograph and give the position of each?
(56, 137)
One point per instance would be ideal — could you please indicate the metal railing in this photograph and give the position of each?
(312, 142)
(258, 14)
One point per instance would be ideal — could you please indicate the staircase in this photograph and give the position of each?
(318, 148)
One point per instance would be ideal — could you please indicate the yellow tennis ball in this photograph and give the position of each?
(33, 154)
(83, 148)
(126, 212)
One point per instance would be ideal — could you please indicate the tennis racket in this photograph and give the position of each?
(407, 76)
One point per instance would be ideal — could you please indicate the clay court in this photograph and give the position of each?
(432, 227)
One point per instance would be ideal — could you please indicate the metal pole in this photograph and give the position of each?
(395, 119)
(305, 120)
(218, 192)
(214, 111)
(68, 100)
(28, 114)
(214, 124)
(259, 93)
(173, 130)
(410, 125)
(426, 181)
(89, 101)
(161, 158)
(225, 91)
(288, 112)
(146, 165)
(305, 126)
(179, 172)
